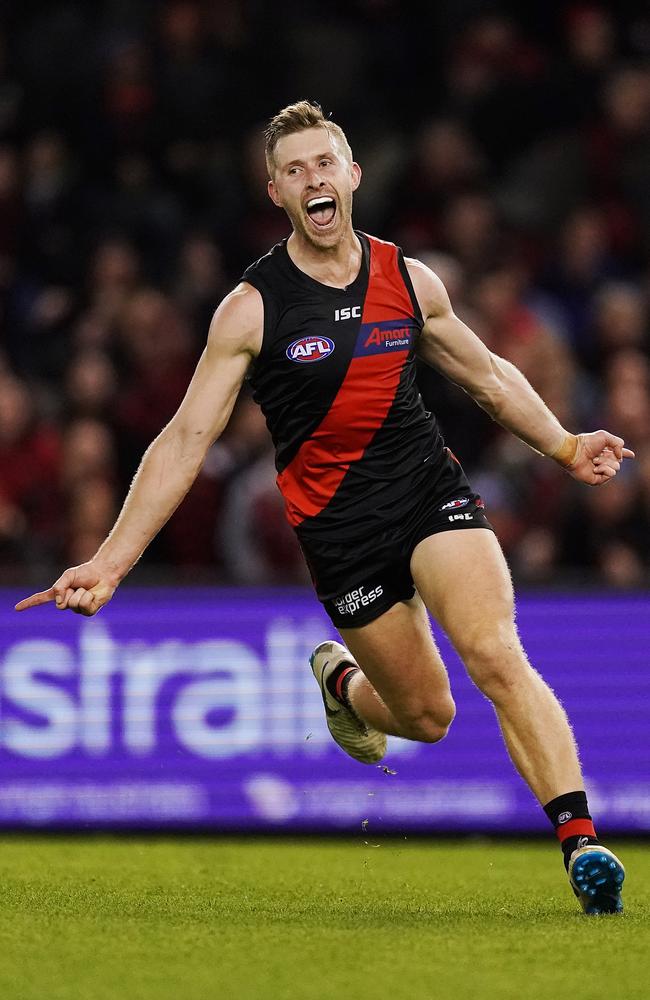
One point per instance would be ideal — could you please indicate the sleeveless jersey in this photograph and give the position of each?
(335, 379)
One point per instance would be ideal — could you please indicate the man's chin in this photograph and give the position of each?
(323, 239)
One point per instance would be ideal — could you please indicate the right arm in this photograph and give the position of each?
(173, 461)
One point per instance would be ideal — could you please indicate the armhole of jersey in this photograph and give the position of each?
(269, 314)
(404, 271)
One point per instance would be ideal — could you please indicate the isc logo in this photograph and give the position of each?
(309, 349)
(348, 312)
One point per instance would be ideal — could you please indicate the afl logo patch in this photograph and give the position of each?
(309, 349)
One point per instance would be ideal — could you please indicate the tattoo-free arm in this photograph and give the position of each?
(172, 462)
(447, 344)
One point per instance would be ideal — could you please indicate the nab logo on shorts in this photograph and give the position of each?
(309, 349)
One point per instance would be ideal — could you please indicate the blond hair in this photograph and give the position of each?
(296, 118)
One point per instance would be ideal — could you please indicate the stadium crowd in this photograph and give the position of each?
(507, 148)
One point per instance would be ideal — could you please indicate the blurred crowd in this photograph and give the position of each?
(507, 148)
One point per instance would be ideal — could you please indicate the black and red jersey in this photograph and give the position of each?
(335, 378)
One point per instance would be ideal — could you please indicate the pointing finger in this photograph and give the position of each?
(628, 453)
(43, 597)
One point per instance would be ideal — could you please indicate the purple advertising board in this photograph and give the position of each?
(197, 708)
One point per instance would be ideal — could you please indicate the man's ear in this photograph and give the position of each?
(356, 176)
(273, 194)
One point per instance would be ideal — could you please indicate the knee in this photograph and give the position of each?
(495, 660)
(428, 723)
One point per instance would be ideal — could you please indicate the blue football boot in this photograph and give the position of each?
(597, 875)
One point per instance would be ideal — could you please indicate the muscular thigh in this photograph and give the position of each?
(398, 655)
(465, 583)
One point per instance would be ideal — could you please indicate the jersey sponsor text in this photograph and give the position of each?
(385, 336)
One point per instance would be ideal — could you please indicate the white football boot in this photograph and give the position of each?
(356, 737)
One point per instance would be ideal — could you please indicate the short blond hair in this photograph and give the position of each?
(297, 118)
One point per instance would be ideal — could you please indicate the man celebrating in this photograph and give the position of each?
(327, 327)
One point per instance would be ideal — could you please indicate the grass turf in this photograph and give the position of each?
(190, 919)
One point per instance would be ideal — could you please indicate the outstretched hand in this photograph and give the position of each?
(83, 589)
(598, 458)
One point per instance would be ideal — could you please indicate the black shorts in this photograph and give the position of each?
(357, 583)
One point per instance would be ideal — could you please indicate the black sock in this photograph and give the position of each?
(338, 681)
(569, 814)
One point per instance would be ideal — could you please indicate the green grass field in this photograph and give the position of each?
(141, 918)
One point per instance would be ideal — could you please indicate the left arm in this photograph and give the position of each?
(447, 344)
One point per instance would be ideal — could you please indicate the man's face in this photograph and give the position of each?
(313, 182)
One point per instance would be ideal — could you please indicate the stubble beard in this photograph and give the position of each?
(326, 241)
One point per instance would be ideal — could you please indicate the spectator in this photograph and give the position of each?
(446, 161)
(113, 276)
(156, 342)
(258, 545)
(30, 457)
(201, 281)
(513, 330)
(620, 320)
(88, 482)
(91, 385)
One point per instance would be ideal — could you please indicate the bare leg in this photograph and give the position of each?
(464, 581)
(404, 688)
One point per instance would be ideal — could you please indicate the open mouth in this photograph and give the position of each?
(322, 211)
